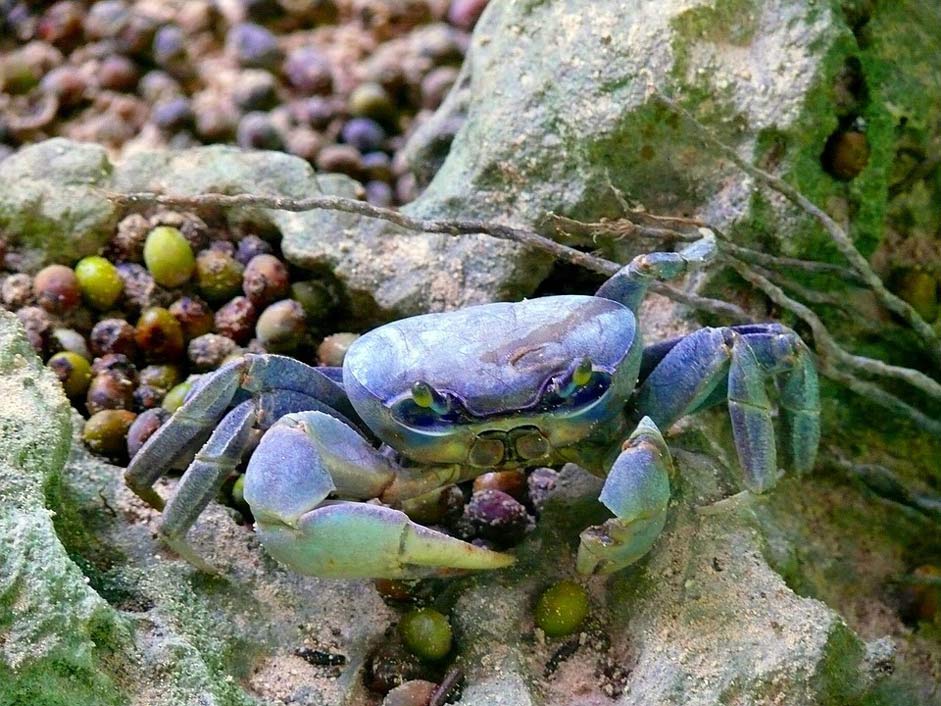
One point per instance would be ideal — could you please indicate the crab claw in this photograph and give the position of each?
(637, 491)
(358, 540)
(305, 461)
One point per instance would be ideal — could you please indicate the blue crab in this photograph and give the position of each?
(430, 401)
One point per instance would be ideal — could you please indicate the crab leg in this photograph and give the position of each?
(689, 378)
(220, 455)
(637, 491)
(209, 400)
(307, 458)
(205, 476)
(629, 284)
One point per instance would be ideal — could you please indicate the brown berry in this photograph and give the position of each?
(113, 336)
(194, 315)
(265, 280)
(57, 289)
(236, 319)
(159, 335)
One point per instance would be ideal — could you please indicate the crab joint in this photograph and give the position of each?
(424, 395)
(575, 377)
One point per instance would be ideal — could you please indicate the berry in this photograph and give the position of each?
(253, 46)
(333, 348)
(236, 319)
(113, 336)
(105, 432)
(99, 281)
(426, 633)
(561, 609)
(57, 289)
(159, 335)
(168, 256)
(194, 315)
(281, 326)
(175, 397)
(109, 390)
(73, 371)
(143, 428)
(265, 279)
(218, 275)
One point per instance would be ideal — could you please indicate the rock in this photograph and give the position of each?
(702, 617)
(55, 629)
(53, 203)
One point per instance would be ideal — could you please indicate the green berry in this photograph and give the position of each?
(315, 297)
(561, 609)
(160, 377)
(105, 432)
(99, 281)
(73, 371)
(218, 275)
(174, 398)
(370, 100)
(168, 256)
(426, 633)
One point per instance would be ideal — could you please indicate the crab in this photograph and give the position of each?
(434, 400)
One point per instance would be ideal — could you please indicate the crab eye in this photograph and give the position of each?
(424, 395)
(574, 378)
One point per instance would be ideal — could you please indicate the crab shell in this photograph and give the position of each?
(496, 363)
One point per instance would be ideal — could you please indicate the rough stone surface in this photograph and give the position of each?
(52, 201)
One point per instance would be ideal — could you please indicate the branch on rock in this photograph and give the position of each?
(837, 234)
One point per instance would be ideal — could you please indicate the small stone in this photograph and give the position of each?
(161, 377)
(379, 193)
(127, 245)
(66, 339)
(118, 73)
(370, 100)
(256, 89)
(169, 256)
(512, 483)
(435, 86)
(465, 13)
(342, 159)
(73, 371)
(390, 666)
(173, 400)
(115, 363)
(364, 134)
(173, 114)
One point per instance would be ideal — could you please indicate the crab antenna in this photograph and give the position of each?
(424, 395)
(575, 377)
